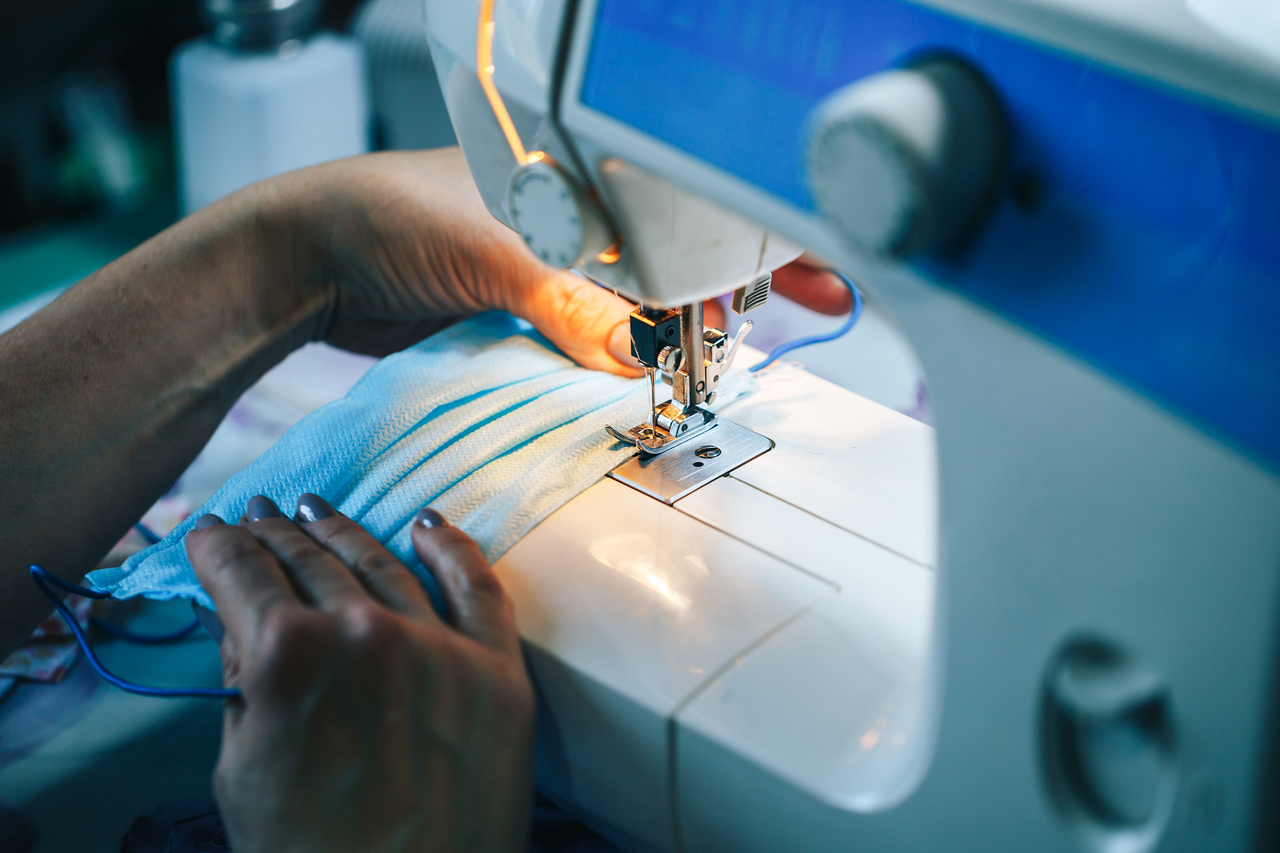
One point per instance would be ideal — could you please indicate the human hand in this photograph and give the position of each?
(807, 281)
(367, 722)
(400, 243)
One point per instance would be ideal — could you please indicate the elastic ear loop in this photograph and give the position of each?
(41, 575)
(123, 633)
(782, 349)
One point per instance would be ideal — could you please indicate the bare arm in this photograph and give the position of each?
(113, 389)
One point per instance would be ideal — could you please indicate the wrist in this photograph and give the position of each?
(289, 295)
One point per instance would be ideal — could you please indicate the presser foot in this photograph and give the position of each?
(671, 427)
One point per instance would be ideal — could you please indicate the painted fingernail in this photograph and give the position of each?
(313, 508)
(260, 507)
(619, 343)
(208, 520)
(429, 518)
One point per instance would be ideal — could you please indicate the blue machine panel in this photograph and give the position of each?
(1140, 229)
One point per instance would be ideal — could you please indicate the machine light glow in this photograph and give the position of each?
(484, 70)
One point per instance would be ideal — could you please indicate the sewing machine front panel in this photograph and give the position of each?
(1135, 226)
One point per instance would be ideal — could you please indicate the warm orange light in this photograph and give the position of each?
(484, 70)
(610, 255)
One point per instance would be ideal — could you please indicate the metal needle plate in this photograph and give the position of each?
(682, 470)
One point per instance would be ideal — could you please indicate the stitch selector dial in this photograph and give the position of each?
(559, 222)
(908, 160)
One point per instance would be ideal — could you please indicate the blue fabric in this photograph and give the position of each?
(485, 421)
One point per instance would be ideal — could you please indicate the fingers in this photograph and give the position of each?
(385, 577)
(478, 605)
(248, 569)
(321, 578)
(244, 580)
(587, 322)
(807, 282)
(713, 314)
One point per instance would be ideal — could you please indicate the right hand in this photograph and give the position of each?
(367, 722)
(806, 281)
(396, 244)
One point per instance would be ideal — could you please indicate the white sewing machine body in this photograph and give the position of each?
(725, 615)
(772, 663)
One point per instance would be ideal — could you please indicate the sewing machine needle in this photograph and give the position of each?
(653, 401)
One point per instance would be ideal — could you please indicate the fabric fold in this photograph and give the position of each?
(486, 422)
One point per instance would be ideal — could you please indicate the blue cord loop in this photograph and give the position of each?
(151, 537)
(43, 578)
(124, 633)
(782, 349)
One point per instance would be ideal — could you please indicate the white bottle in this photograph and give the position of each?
(263, 95)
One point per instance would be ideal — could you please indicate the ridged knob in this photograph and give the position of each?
(560, 223)
(908, 160)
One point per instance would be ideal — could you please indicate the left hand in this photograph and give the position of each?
(367, 721)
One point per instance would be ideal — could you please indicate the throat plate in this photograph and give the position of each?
(684, 469)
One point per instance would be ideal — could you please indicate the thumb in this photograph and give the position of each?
(588, 323)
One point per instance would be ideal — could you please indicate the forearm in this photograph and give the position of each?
(112, 390)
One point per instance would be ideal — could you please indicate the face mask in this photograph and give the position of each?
(485, 421)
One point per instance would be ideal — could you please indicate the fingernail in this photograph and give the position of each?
(208, 520)
(260, 507)
(313, 508)
(619, 344)
(429, 518)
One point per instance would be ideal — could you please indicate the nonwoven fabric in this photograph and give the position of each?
(485, 421)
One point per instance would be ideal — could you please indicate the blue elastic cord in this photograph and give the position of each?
(123, 633)
(782, 349)
(151, 537)
(40, 576)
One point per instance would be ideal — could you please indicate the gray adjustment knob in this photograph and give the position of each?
(907, 160)
(560, 223)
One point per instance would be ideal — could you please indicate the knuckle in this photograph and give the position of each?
(228, 552)
(297, 549)
(379, 564)
(584, 309)
(372, 632)
(481, 580)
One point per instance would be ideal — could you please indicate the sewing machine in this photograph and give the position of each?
(1067, 640)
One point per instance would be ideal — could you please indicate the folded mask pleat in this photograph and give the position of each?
(459, 418)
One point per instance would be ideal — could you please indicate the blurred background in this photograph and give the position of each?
(119, 116)
(85, 107)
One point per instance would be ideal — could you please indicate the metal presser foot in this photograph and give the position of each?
(662, 340)
(682, 445)
(666, 429)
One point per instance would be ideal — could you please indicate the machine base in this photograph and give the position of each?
(683, 470)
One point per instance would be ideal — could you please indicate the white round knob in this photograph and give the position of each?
(908, 160)
(558, 221)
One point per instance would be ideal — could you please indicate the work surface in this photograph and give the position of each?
(82, 759)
